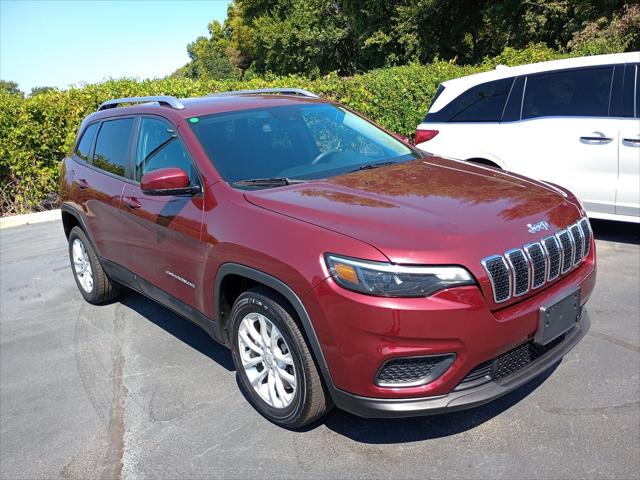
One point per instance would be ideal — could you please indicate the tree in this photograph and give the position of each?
(10, 87)
(316, 37)
(38, 90)
(209, 55)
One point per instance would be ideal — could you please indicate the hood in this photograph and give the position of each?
(427, 211)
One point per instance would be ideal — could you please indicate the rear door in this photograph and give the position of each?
(100, 182)
(628, 192)
(163, 232)
(565, 134)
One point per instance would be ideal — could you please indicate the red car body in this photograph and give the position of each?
(429, 211)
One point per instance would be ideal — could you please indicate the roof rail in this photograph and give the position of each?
(166, 100)
(258, 91)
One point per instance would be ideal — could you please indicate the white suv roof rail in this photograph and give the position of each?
(260, 91)
(165, 100)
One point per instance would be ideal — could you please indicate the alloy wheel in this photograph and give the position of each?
(82, 265)
(267, 361)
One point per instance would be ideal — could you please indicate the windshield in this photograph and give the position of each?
(305, 141)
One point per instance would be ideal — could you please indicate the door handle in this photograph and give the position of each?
(82, 184)
(635, 141)
(132, 203)
(596, 139)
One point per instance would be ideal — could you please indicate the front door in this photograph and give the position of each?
(164, 231)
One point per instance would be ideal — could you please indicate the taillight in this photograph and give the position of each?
(425, 135)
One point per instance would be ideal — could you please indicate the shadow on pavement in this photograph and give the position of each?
(379, 431)
(179, 327)
(622, 232)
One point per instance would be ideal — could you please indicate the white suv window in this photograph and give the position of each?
(569, 93)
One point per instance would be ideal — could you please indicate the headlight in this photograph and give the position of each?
(388, 280)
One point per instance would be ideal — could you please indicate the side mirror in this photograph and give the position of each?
(167, 181)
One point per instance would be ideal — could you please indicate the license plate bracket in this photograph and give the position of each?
(557, 318)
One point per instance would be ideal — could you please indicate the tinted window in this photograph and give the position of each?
(160, 147)
(575, 93)
(304, 141)
(482, 103)
(112, 146)
(84, 146)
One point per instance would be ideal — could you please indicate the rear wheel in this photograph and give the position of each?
(275, 368)
(92, 281)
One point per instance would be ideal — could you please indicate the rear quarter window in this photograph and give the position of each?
(482, 103)
(83, 150)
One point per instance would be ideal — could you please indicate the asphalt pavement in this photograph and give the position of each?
(131, 390)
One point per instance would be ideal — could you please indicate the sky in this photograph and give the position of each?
(60, 43)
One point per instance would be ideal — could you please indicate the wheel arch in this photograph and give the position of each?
(257, 277)
(71, 217)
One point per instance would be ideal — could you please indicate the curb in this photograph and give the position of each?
(29, 218)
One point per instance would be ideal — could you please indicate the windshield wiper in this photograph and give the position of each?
(267, 182)
(370, 166)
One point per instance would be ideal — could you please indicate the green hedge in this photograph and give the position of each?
(37, 132)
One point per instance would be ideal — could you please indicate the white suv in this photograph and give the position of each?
(574, 122)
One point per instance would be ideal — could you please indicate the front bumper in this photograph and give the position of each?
(407, 407)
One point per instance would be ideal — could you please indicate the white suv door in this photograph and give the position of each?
(628, 193)
(566, 136)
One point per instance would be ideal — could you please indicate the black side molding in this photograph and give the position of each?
(146, 288)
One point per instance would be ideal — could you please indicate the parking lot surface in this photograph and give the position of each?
(131, 390)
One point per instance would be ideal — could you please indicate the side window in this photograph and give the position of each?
(482, 103)
(572, 93)
(83, 150)
(112, 146)
(160, 147)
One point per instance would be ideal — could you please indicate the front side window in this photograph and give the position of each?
(569, 93)
(112, 146)
(482, 103)
(84, 146)
(305, 141)
(159, 147)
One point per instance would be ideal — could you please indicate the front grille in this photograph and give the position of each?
(578, 241)
(508, 363)
(513, 274)
(500, 277)
(566, 244)
(586, 231)
(552, 250)
(538, 264)
(520, 267)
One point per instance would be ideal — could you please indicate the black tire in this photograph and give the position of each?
(103, 290)
(310, 400)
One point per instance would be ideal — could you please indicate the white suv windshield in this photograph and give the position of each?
(306, 141)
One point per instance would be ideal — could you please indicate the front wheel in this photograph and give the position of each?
(92, 281)
(275, 368)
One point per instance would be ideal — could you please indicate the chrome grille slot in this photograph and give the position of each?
(500, 278)
(586, 231)
(539, 264)
(552, 248)
(566, 246)
(520, 268)
(578, 240)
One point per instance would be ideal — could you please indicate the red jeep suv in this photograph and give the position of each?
(339, 264)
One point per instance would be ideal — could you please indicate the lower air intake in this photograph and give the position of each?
(412, 371)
